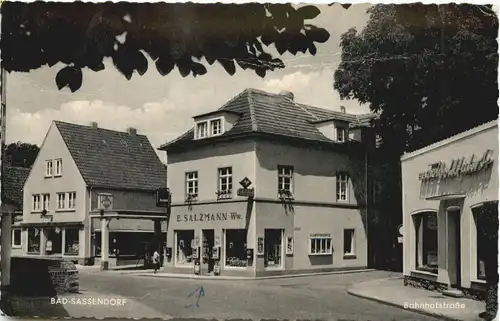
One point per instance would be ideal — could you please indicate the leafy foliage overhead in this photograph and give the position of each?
(429, 71)
(21, 154)
(178, 35)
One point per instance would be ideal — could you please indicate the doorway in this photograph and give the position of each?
(53, 244)
(207, 262)
(454, 247)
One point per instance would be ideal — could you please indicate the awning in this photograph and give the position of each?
(51, 224)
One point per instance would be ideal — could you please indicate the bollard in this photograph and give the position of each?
(197, 267)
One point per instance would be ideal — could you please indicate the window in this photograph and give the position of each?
(202, 130)
(486, 219)
(191, 186)
(273, 240)
(46, 202)
(48, 168)
(58, 167)
(427, 245)
(225, 183)
(236, 246)
(342, 135)
(33, 240)
(342, 186)
(285, 177)
(320, 244)
(16, 238)
(72, 238)
(184, 247)
(216, 127)
(349, 243)
(35, 203)
(71, 200)
(61, 201)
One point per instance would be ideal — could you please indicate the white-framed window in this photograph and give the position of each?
(35, 202)
(285, 179)
(46, 202)
(49, 168)
(225, 182)
(17, 238)
(71, 200)
(342, 186)
(216, 127)
(349, 242)
(341, 134)
(61, 201)
(192, 185)
(58, 167)
(320, 244)
(202, 129)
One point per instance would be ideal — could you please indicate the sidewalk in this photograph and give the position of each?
(85, 305)
(392, 292)
(234, 278)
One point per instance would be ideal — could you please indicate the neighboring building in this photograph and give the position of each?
(445, 187)
(307, 169)
(81, 171)
(12, 184)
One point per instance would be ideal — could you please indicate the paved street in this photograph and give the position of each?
(315, 297)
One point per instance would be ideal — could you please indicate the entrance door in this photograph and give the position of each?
(53, 244)
(454, 248)
(208, 243)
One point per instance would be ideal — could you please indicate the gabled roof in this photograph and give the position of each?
(113, 159)
(276, 114)
(12, 184)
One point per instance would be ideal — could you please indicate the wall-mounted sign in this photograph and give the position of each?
(400, 229)
(217, 241)
(18, 218)
(260, 245)
(105, 201)
(321, 235)
(458, 167)
(210, 217)
(289, 245)
(48, 246)
(400, 239)
(246, 192)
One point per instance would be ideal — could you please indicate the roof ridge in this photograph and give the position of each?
(251, 109)
(100, 128)
(304, 109)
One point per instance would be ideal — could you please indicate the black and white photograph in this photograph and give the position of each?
(216, 161)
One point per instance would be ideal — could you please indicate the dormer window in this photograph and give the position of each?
(216, 127)
(202, 129)
(342, 135)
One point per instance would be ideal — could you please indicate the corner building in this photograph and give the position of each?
(267, 186)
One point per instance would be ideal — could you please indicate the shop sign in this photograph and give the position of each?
(260, 245)
(458, 167)
(289, 245)
(210, 217)
(48, 246)
(246, 191)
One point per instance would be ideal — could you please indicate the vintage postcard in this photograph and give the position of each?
(252, 161)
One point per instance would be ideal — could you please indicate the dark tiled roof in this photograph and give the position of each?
(12, 184)
(113, 159)
(263, 112)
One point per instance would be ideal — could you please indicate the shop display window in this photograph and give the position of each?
(235, 248)
(273, 243)
(34, 240)
(427, 241)
(184, 247)
(72, 244)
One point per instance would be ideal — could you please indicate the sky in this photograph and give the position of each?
(162, 107)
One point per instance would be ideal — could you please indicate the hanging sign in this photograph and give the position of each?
(48, 246)
(245, 191)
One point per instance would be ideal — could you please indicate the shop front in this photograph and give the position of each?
(216, 237)
(448, 190)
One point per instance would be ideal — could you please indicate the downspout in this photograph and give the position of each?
(89, 220)
(366, 207)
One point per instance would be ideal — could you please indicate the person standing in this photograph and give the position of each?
(156, 260)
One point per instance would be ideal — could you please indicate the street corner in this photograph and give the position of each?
(96, 305)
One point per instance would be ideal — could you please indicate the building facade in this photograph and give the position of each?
(82, 172)
(267, 186)
(445, 188)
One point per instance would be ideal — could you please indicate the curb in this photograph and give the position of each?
(236, 278)
(396, 305)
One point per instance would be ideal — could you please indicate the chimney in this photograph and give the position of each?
(132, 131)
(342, 109)
(94, 124)
(287, 94)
